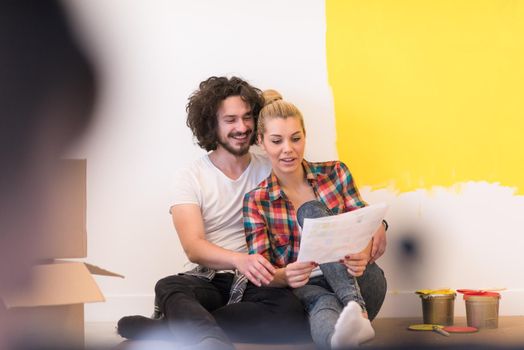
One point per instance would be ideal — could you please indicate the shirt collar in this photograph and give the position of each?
(275, 192)
(308, 170)
(274, 189)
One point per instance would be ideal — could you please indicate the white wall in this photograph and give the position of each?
(467, 236)
(154, 54)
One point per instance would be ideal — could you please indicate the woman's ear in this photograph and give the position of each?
(260, 142)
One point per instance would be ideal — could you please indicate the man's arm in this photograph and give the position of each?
(189, 225)
(379, 243)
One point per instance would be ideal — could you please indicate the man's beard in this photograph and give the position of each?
(237, 151)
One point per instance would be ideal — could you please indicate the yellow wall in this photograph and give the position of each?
(428, 92)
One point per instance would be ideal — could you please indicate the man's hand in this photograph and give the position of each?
(255, 267)
(379, 244)
(297, 273)
(356, 263)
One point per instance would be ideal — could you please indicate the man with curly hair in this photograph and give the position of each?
(224, 297)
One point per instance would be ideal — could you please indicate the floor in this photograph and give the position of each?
(394, 332)
(390, 332)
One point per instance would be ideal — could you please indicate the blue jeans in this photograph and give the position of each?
(324, 301)
(323, 308)
(344, 285)
(325, 296)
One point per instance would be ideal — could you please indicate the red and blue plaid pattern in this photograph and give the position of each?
(270, 221)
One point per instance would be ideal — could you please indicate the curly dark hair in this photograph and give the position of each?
(204, 103)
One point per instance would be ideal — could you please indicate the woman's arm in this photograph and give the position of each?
(257, 237)
(293, 275)
(379, 244)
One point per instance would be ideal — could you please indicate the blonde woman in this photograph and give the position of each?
(338, 309)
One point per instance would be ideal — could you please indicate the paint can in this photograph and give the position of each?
(482, 311)
(438, 308)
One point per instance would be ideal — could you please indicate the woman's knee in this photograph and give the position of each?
(325, 302)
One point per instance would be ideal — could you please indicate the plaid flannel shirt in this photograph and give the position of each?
(270, 221)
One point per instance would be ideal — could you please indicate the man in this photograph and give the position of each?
(213, 304)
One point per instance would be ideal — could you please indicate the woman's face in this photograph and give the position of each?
(284, 142)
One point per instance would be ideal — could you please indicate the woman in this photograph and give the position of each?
(331, 294)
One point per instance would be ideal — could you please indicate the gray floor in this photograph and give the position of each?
(394, 332)
(389, 332)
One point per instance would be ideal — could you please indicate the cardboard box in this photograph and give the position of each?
(51, 310)
(66, 211)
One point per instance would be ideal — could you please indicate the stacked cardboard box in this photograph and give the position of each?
(51, 309)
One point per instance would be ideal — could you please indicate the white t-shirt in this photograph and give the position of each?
(220, 198)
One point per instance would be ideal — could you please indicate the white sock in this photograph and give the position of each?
(352, 328)
(366, 331)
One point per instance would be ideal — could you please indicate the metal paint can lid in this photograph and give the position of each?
(435, 292)
(482, 297)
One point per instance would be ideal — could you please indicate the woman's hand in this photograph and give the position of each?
(256, 268)
(297, 273)
(356, 263)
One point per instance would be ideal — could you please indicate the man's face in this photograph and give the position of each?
(235, 126)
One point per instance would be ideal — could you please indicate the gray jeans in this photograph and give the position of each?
(325, 296)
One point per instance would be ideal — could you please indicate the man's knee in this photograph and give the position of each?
(373, 286)
(374, 279)
(163, 284)
(171, 284)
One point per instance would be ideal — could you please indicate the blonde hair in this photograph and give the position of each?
(276, 107)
